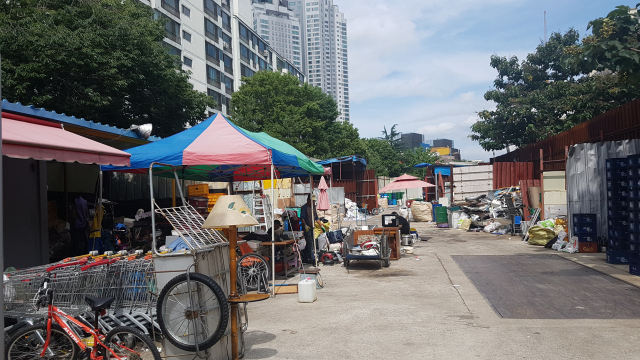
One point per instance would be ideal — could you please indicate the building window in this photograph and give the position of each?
(186, 36)
(171, 6)
(187, 62)
(186, 11)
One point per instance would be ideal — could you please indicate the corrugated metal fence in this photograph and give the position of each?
(506, 174)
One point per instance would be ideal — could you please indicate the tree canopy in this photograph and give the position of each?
(563, 83)
(388, 158)
(98, 59)
(301, 115)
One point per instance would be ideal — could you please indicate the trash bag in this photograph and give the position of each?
(539, 235)
(492, 227)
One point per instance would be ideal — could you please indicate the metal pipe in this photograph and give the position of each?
(273, 233)
(313, 220)
(1, 216)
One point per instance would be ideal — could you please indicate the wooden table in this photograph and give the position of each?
(285, 259)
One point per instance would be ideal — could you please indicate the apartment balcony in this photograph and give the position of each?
(226, 27)
(228, 90)
(245, 40)
(211, 13)
(213, 60)
(213, 82)
(225, 5)
(173, 11)
(227, 47)
(228, 70)
(211, 36)
(173, 37)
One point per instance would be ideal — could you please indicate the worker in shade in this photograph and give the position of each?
(403, 223)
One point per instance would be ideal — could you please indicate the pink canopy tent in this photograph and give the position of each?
(405, 182)
(323, 199)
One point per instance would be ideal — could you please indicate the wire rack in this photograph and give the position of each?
(188, 223)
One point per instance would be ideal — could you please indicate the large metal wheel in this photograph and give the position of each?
(253, 272)
(28, 343)
(181, 313)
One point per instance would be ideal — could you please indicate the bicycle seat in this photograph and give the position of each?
(97, 303)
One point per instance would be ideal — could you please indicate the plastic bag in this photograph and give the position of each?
(322, 242)
(539, 235)
(492, 227)
(549, 224)
(572, 247)
(302, 244)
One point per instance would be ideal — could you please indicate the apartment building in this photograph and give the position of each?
(216, 42)
(324, 56)
(276, 23)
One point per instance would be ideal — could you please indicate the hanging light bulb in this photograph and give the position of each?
(144, 131)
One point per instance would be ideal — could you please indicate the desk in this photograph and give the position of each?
(285, 259)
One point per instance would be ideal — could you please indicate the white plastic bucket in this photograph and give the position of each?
(307, 290)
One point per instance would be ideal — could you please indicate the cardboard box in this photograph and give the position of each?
(588, 246)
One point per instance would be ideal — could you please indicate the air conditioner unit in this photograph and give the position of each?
(225, 3)
(266, 53)
(225, 46)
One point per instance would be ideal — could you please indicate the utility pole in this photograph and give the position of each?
(545, 27)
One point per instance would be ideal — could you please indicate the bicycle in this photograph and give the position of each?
(58, 338)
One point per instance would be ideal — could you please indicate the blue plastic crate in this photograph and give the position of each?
(584, 229)
(619, 193)
(587, 237)
(633, 160)
(617, 174)
(585, 218)
(618, 233)
(618, 222)
(616, 163)
(619, 256)
(634, 246)
(633, 172)
(618, 213)
(631, 205)
(633, 236)
(617, 184)
(634, 226)
(634, 267)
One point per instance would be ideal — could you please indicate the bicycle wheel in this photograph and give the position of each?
(131, 344)
(254, 271)
(178, 315)
(28, 343)
(375, 211)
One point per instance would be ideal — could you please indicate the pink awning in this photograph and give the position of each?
(36, 139)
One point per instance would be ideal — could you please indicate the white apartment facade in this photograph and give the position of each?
(276, 23)
(324, 30)
(215, 40)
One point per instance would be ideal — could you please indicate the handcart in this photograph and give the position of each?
(378, 250)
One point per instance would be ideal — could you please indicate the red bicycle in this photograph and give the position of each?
(58, 338)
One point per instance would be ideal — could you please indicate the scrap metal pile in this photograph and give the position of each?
(491, 212)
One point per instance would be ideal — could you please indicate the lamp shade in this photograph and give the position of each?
(229, 210)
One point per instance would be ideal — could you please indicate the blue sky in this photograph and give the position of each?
(424, 65)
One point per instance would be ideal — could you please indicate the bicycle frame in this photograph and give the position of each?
(56, 315)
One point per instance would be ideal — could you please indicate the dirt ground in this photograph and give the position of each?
(424, 307)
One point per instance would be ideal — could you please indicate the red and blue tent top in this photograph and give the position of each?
(218, 150)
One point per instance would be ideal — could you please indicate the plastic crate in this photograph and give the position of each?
(634, 226)
(585, 218)
(618, 233)
(619, 256)
(618, 213)
(617, 184)
(213, 198)
(634, 267)
(198, 190)
(588, 246)
(619, 203)
(618, 193)
(633, 172)
(631, 205)
(634, 246)
(633, 236)
(584, 229)
(617, 174)
(633, 194)
(616, 163)
(620, 222)
(587, 237)
(633, 160)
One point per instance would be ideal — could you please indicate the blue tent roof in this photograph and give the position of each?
(350, 158)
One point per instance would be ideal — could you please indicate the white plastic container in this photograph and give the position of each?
(307, 290)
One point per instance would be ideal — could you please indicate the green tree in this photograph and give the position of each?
(301, 115)
(98, 59)
(392, 136)
(382, 157)
(413, 157)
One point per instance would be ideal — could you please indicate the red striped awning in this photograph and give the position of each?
(28, 138)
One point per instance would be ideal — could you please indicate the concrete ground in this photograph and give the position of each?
(428, 309)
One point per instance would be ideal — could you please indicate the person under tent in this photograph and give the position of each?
(403, 223)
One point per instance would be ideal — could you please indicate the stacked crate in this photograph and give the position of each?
(585, 227)
(198, 198)
(633, 178)
(213, 198)
(618, 209)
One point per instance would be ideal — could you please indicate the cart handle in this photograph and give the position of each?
(80, 262)
(98, 263)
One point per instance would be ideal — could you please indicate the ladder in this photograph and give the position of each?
(534, 219)
(262, 212)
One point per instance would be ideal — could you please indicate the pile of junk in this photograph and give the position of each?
(500, 212)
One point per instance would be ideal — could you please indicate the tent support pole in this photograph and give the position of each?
(313, 220)
(173, 192)
(101, 182)
(273, 234)
(1, 217)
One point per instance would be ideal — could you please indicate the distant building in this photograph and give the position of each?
(277, 24)
(444, 148)
(411, 140)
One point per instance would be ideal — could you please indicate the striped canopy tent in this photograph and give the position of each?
(218, 150)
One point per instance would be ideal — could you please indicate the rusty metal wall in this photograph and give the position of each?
(621, 123)
(506, 174)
